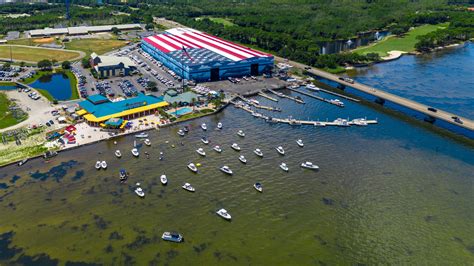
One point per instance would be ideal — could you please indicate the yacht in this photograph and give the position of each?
(205, 140)
(226, 170)
(224, 214)
(312, 87)
(147, 142)
(284, 167)
(300, 143)
(242, 159)
(141, 135)
(139, 191)
(163, 179)
(173, 237)
(204, 126)
(97, 165)
(192, 167)
(258, 187)
(201, 152)
(337, 102)
(241, 133)
(219, 125)
(135, 152)
(280, 150)
(235, 146)
(309, 165)
(118, 154)
(258, 152)
(218, 149)
(188, 187)
(103, 165)
(181, 133)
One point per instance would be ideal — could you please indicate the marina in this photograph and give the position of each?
(282, 95)
(315, 97)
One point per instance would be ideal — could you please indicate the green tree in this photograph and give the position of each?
(22, 64)
(6, 66)
(115, 30)
(86, 62)
(45, 64)
(193, 103)
(66, 64)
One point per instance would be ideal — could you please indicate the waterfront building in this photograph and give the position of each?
(80, 30)
(107, 66)
(196, 55)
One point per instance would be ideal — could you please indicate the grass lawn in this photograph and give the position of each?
(32, 41)
(7, 83)
(405, 43)
(35, 54)
(99, 46)
(194, 115)
(6, 118)
(37, 75)
(223, 21)
(73, 82)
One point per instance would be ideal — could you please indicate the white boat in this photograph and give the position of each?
(241, 133)
(98, 165)
(173, 237)
(147, 142)
(300, 143)
(235, 146)
(163, 179)
(224, 214)
(201, 152)
(118, 154)
(103, 165)
(254, 101)
(337, 102)
(280, 150)
(309, 165)
(205, 140)
(284, 167)
(192, 167)
(219, 125)
(141, 135)
(135, 152)
(242, 159)
(226, 170)
(359, 122)
(204, 126)
(218, 148)
(312, 87)
(258, 152)
(258, 187)
(22, 162)
(341, 122)
(181, 132)
(139, 191)
(188, 187)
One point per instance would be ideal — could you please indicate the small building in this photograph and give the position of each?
(98, 110)
(82, 30)
(110, 66)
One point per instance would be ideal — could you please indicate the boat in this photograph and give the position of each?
(254, 101)
(341, 122)
(280, 150)
(360, 122)
(218, 148)
(219, 125)
(147, 142)
(241, 133)
(97, 165)
(135, 152)
(224, 214)
(201, 152)
(205, 140)
(163, 179)
(312, 87)
(118, 154)
(258, 187)
(186, 129)
(309, 165)
(284, 167)
(181, 133)
(258, 152)
(235, 146)
(192, 167)
(204, 126)
(141, 135)
(226, 170)
(188, 187)
(242, 159)
(300, 143)
(139, 191)
(123, 174)
(173, 237)
(49, 154)
(337, 102)
(103, 164)
(22, 162)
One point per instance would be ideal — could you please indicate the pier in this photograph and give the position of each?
(340, 95)
(264, 95)
(279, 94)
(259, 106)
(316, 97)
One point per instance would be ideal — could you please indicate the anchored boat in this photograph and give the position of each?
(309, 165)
(192, 167)
(258, 152)
(242, 159)
(163, 179)
(172, 236)
(218, 149)
(201, 152)
(280, 150)
(226, 170)
(258, 187)
(188, 187)
(224, 214)
(235, 146)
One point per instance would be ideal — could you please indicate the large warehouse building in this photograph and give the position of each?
(195, 55)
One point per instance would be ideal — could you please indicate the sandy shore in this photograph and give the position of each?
(392, 55)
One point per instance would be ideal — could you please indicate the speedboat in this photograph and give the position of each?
(312, 87)
(163, 179)
(218, 149)
(118, 154)
(309, 165)
(205, 140)
(204, 126)
(360, 122)
(201, 152)
(181, 133)
(141, 135)
(242, 159)
(135, 152)
(254, 101)
(337, 102)
(284, 167)
(22, 162)
(219, 125)
(139, 191)
(123, 174)
(258, 187)
(98, 165)
(147, 142)
(226, 170)
(173, 237)
(188, 187)
(192, 167)
(103, 165)
(224, 214)
(300, 143)
(241, 133)
(235, 146)
(258, 152)
(186, 129)
(280, 150)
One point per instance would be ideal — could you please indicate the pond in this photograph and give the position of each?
(57, 85)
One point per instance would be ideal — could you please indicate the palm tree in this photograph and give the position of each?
(193, 102)
(175, 105)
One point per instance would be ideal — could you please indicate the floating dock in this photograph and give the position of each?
(317, 97)
(259, 106)
(264, 95)
(279, 94)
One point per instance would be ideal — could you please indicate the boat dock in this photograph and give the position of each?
(259, 106)
(279, 94)
(340, 95)
(316, 97)
(264, 95)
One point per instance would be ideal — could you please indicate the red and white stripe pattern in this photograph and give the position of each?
(177, 38)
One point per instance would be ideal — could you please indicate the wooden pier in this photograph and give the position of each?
(264, 95)
(279, 94)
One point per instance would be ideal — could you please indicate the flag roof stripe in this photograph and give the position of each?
(221, 45)
(161, 38)
(157, 46)
(241, 47)
(160, 43)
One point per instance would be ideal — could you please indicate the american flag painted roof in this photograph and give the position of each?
(202, 45)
